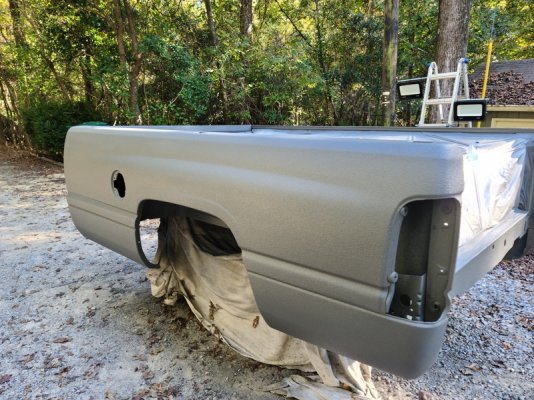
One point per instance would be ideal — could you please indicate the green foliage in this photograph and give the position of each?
(47, 124)
(513, 32)
(176, 91)
(279, 82)
(356, 65)
(309, 61)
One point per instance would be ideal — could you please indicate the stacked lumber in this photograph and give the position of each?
(505, 88)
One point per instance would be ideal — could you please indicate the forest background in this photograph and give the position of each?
(276, 62)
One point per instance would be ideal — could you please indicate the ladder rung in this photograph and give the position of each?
(445, 75)
(443, 100)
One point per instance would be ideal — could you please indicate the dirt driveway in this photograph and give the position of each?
(77, 321)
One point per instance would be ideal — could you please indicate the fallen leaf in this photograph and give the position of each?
(466, 371)
(92, 371)
(153, 339)
(525, 322)
(140, 393)
(27, 358)
(63, 371)
(473, 367)
(148, 375)
(51, 363)
(160, 389)
(155, 352)
(62, 340)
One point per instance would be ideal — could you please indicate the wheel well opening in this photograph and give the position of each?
(209, 233)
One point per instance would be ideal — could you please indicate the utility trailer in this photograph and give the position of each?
(354, 239)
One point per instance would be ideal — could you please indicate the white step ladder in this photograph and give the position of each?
(434, 75)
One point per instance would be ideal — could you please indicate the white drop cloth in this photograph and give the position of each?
(218, 292)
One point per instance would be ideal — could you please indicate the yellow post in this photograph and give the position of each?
(486, 73)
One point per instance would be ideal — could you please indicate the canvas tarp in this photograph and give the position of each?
(218, 291)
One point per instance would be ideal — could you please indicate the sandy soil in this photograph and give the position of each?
(77, 321)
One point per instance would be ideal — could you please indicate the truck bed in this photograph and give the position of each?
(354, 239)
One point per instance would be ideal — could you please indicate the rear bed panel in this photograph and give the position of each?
(317, 215)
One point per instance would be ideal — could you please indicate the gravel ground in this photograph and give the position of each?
(77, 321)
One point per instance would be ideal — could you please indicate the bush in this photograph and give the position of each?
(47, 124)
(177, 90)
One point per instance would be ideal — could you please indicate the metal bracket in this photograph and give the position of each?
(409, 298)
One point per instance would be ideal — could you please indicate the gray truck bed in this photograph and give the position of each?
(350, 236)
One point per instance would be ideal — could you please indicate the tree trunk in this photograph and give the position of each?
(133, 68)
(18, 136)
(214, 42)
(212, 34)
(88, 86)
(245, 29)
(389, 61)
(245, 19)
(16, 19)
(453, 29)
(20, 41)
(321, 58)
(119, 31)
(62, 84)
(7, 133)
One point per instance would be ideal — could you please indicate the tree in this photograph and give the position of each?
(453, 29)
(245, 19)
(214, 41)
(513, 33)
(131, 64)
(16, 17)
(8, 77)
(307, 62)
(389, 60)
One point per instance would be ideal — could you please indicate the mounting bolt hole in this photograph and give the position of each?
(118, 184)
(405, 300)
